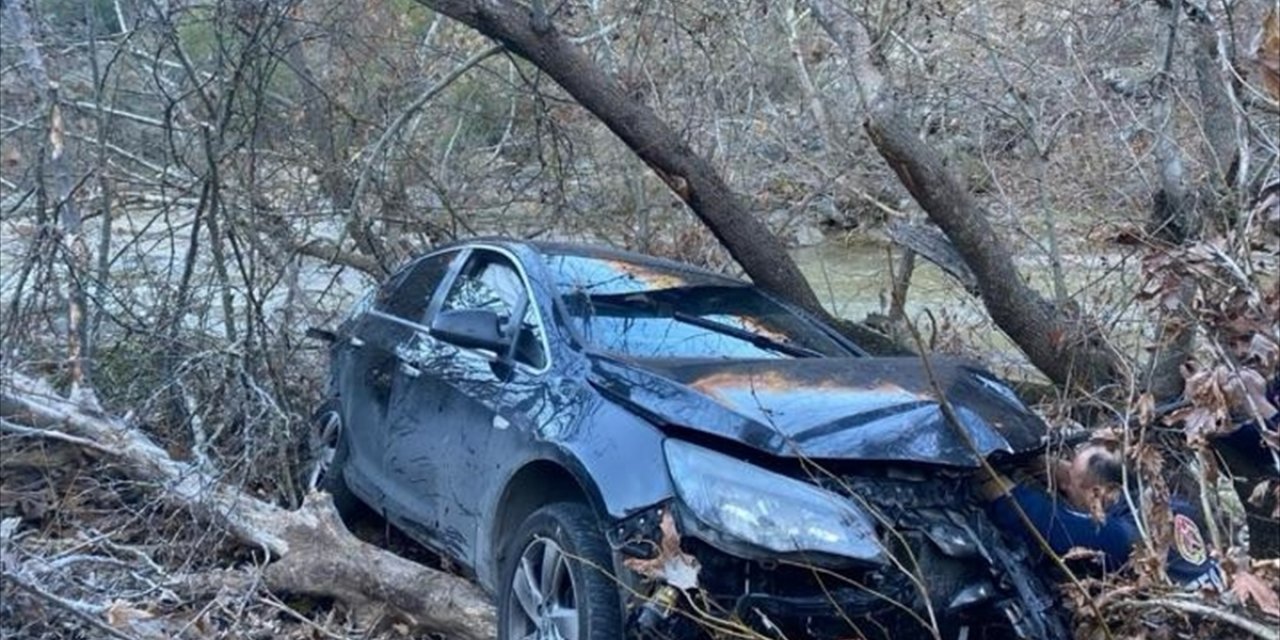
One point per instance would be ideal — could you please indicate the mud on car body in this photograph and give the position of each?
(621, 446)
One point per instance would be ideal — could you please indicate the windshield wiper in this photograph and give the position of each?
(756, 339)
(648, 300)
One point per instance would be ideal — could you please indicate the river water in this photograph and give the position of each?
(853, 279)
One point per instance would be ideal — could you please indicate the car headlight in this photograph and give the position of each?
(772, 511)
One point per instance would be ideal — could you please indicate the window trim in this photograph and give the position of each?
(404, 272)
(446, 285)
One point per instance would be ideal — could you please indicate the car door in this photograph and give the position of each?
(380, 334)
(444, 419)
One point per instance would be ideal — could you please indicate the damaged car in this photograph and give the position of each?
(615, 445)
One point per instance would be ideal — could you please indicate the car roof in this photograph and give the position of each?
(546, 247)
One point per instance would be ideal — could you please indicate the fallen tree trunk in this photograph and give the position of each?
(313, 553)
(1059, 342)
(528, 33)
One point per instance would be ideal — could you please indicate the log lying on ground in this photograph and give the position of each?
(313, 553)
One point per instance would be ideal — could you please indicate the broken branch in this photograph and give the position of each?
(314, 553)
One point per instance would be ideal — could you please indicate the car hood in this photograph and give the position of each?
(875, 409)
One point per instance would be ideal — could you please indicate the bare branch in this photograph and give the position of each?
(1253, 627)
(316, 554)
(87, 613)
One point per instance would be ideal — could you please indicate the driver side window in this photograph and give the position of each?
(406, 295)
(490, 282)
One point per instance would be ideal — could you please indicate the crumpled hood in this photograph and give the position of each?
(881, 409)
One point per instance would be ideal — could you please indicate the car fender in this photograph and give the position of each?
(613, 459)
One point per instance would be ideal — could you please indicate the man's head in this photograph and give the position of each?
(1092, 476)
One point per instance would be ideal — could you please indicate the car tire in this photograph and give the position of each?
(577, 599)
(330, 459)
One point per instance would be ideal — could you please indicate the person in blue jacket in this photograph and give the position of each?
(1093, 476)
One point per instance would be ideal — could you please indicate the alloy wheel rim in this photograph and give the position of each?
(543, 597)
(328, 428)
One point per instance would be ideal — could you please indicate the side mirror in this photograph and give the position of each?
(472, 329)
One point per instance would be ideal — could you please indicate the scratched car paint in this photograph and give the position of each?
(562, 421)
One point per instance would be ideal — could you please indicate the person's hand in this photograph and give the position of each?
(992, 485)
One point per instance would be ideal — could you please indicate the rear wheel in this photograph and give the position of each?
(557, 581)
(329, 457)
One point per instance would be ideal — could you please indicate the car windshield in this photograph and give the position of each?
(646, 311)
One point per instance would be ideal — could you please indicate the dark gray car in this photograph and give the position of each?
(616, 445)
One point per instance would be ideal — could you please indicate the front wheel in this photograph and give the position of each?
(557, 579)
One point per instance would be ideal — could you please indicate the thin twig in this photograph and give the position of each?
(85, 612)
(18, 429)
(1252, 626)
(413, 108)
(272, 602)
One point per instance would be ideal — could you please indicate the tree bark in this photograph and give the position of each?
(1173, 216)
(64, 190)
(313, 553)
(1056, 340)
(1225, 134)
(760, 253)
(839, 21)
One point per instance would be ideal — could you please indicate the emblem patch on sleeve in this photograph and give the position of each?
(1187, 539)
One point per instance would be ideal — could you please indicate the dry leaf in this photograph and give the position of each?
(122, 616)
(1248, 587)
(1146, 409)
(1268, 208)
(1083, 553)
(672, 564)
(1266, 52)
(1262, 349)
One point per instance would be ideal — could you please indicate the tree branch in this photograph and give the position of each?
(690, 176)
(1253, 627)
(1062, 346)
(314, 552)
(85, 612)
(333, 254)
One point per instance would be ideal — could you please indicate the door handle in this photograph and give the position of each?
(356, 342)
(410, 370)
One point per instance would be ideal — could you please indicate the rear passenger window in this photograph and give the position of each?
(407, 294)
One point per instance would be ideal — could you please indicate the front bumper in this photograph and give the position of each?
(949, 569)
(804, 600)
